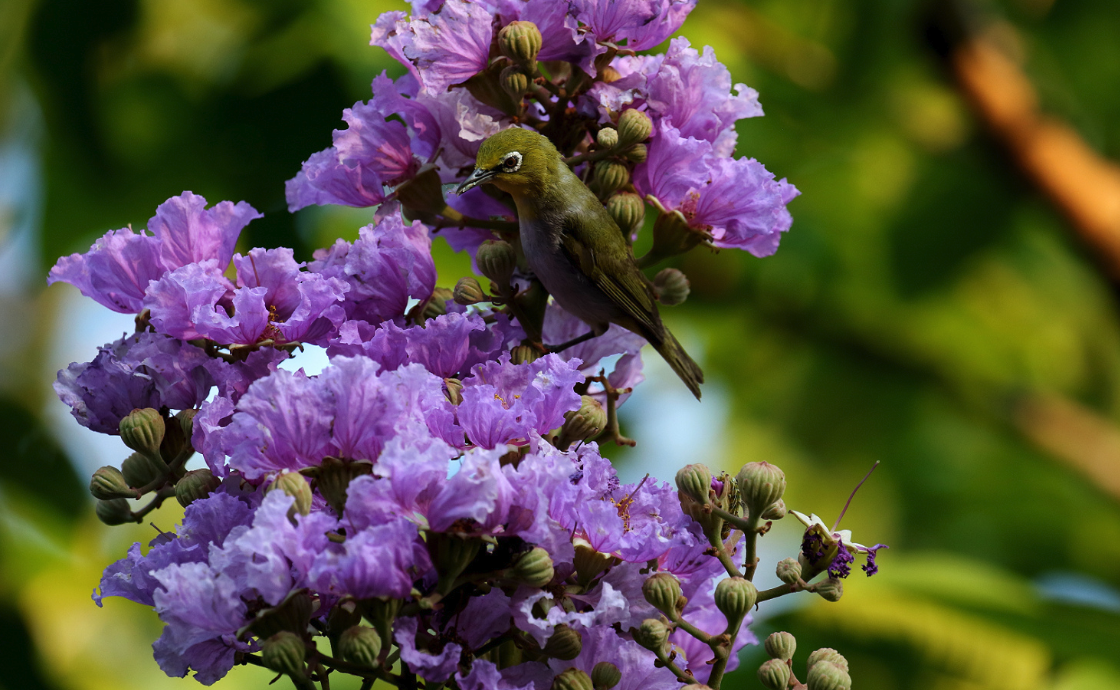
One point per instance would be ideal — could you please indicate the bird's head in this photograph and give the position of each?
(515, 160)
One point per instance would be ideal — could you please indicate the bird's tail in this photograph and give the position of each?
(688, 370)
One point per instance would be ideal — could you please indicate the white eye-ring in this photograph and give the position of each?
(511, 162)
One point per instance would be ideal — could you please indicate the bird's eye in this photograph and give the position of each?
(511, 162)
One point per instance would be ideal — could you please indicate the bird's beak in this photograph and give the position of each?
(478, 176)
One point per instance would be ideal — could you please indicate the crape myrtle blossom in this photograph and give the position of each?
(435, 494)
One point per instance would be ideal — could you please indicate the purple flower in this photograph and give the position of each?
(406, 479)
(388, 264)
(624, 372)
(275, 555)
(202, 610)
(142, 370)
(372, 152)
(503, 402)
(641, 23)
(464, 123)
(117, 269)
(441, 49)
(481, 620)
(636, 663)
(608, 608)
(380, 561)
(477, 498)
(441, 345)
(870, 567)
(432, 666)
(485, 675)
(736, 202)
(841, 565)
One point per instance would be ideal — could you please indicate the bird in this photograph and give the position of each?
(573, 246)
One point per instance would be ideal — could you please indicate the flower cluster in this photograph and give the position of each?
(434, 502)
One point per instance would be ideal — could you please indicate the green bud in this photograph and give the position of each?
(140, 469)
(333, 478)
(628, 210)
(830, 655)
(381, 613)
(360, 645)
(284, 653)
(672, 286)
(609, 74)
(611, 176)
(292, 614)
(788, 570)
(194, 485)
(468, 291)
(760, 485)
(663, 592)
(436, 305)
(533, 568)
(653, 635)
(774, 674)
(295, 485)
(523, 354)
(831, 589)
(776, 511)
(565, 644)
(583, 424)
(453, 390)
(735, 597)
(496, 260)
(589, 562)
(514, 82)
(142, 431)
(520, 42)
(781, 645)
(695, 482)
(114, 511)
(572, 679)
(607, 138)
(451, 554)
(637, 153)
(421, 196)
(176, 447)
(605, 675)
(108, 483)
(828, 676)
(672, 234)
(633, 126)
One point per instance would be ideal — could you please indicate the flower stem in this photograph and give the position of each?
(750, 557)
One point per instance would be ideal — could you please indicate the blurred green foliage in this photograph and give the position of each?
(924, 290)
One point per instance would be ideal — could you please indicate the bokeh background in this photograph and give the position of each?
(946, 303)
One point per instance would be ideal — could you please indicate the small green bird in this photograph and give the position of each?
(574, 246)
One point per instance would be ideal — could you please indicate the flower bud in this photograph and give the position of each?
(633, 126)
(523, 354)
(295, 485)
(360, 645)
(572, 679)
(611, 176)
(496, 260)
(140, 470)
(695, 481)
(284, 653)
(653, 635)
(451, 553)
(583, 424)
(565, 643)
(830, 655)
(607, 138)
(781, 645)
(468, 291)
(194, 485)
(776, 511)
(382, 613)
(628, 210)
(533, 569)
(605, 675)
(735, 597)
(774, 674)
(672, 235)
(142, 431)
(609, 74)
(514, 82)
(637, 153)
(663, 591)
(176, 447)
(672, 286)
(436, 305)
(760, 485)
(788, 570)
(520, 42)
(333, 478)
(114, 511)
(831, 589)
(453, 390)
(108, 483)
(828, 676)
(589, 562)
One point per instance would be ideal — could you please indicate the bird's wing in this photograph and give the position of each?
(617, 276)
